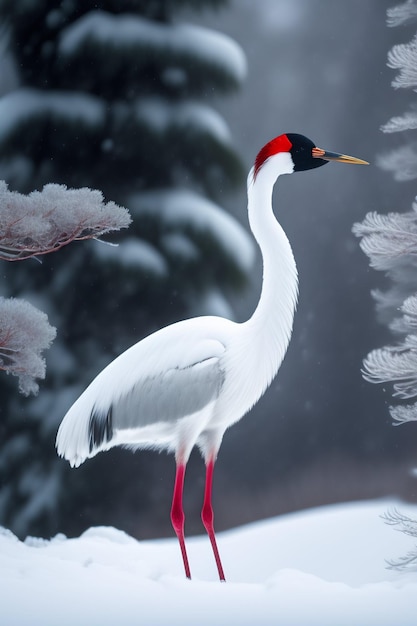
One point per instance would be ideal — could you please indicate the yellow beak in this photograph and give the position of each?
(319, 153)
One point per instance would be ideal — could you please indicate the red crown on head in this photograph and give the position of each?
(275, 146)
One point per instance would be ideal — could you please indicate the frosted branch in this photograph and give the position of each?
(24, 333)
(407, 121)
(402, 162)
(408, 322)
(408, 526)
(403, 413)
(402, 13)
(403, 57)
(387, 239)
(45, 221)
(394, 364)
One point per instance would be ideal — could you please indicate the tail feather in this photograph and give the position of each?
(83, 433)
(72, 440)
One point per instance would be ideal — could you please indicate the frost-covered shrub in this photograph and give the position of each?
(390, 242)
(45, 221)
(24, 333)
(32, 225)
(408, 526)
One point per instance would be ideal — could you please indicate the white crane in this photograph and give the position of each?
(185, 384)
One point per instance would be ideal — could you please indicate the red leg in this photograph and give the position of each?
(207, 516)
(177, 514)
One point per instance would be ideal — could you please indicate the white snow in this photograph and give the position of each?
(22, 104)
(180, 246)
(160, 114)
(178, 39)
(323, 567)
(182, 207)
(212, 302)
(133, 253)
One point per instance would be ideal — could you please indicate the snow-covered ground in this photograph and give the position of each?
(321, 567)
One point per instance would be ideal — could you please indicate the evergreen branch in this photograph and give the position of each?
(407, 121)
(403, 414)
(408, 322)
(403, 562)
(403, 57)
(388, 239)
(183, 46)
(407, 526)
(393, 517)
(394, 364)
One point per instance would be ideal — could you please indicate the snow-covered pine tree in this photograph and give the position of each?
(114, 96)
(390, 241)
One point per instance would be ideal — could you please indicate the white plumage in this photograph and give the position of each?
(187, 383)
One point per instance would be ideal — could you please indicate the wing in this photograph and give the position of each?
(169, 396)
(142, 395)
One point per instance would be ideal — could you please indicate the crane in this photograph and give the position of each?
(185, 384)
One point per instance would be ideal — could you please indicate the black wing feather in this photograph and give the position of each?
(100, 428)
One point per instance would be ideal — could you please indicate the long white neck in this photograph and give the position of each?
(271, 323)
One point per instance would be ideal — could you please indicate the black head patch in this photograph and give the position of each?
(302, 153)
